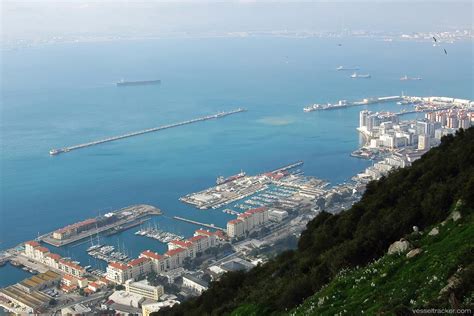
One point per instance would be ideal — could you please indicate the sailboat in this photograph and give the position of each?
(94, 247)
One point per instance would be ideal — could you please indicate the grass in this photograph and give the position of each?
(395, 281)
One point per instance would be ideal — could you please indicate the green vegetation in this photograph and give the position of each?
(119, 287)
(397, 284)
(421, 195)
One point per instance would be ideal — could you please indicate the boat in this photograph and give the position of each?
(355, 75)
(54, 152)
(124, 83)
(405, 78)
(340, 68)
(93, 247)
(314, 107)
(222, 180)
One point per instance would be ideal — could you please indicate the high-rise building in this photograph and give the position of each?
(423, 142)
(453, 121)
(363, 118)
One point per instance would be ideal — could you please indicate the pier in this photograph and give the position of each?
(126, 218)
(212, 226)
(290, 166)
(58, 151)
(342, 104)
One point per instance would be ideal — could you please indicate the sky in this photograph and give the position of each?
(47, 18)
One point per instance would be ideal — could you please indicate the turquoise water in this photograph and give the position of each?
(64, 94)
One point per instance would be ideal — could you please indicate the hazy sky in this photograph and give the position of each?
(46, 18)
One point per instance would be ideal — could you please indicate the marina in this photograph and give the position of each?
(58, 151)
(158, 234)
(107, 253)
(236, 189)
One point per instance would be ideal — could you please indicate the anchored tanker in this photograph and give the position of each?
(123, 83)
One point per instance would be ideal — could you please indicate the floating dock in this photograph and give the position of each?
(58, 151)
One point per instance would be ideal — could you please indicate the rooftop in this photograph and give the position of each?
(181, 243)
(69, 277)
(54, 256)
(117, 265)
(234, 221)
(196, 238)
(173, 252)
(204, 232)
(42, 249)
(138, 261)
(152, 255)
(32, 243)
(196, 280)
(71, 264)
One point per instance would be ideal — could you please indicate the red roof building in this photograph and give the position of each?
(138, 261)
(171, 253)
(118, 266)
(32, 243)
(151, 255)
(42, 249)
(54, 256)
(181, 243)
(205, 232)
(197, 238)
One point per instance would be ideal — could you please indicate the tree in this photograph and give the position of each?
(119, 287)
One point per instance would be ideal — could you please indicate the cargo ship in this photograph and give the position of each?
(124, 83)
(222, 180)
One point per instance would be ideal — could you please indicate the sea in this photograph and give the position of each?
(64, 94)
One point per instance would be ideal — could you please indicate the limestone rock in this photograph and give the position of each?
(456, 216)
(414, 252)
(453, 282)
(434, 232)
(400, 246)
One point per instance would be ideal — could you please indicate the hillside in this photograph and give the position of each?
(421, 195)
(440, 274)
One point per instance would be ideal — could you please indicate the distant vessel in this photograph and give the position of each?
(93, 247)
(405, 78)
(341, 68)
(123, 83)
(314, 107)
(53, 152)
(355, 75)
(222, 180)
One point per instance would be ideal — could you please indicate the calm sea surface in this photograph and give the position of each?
(64, 94)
